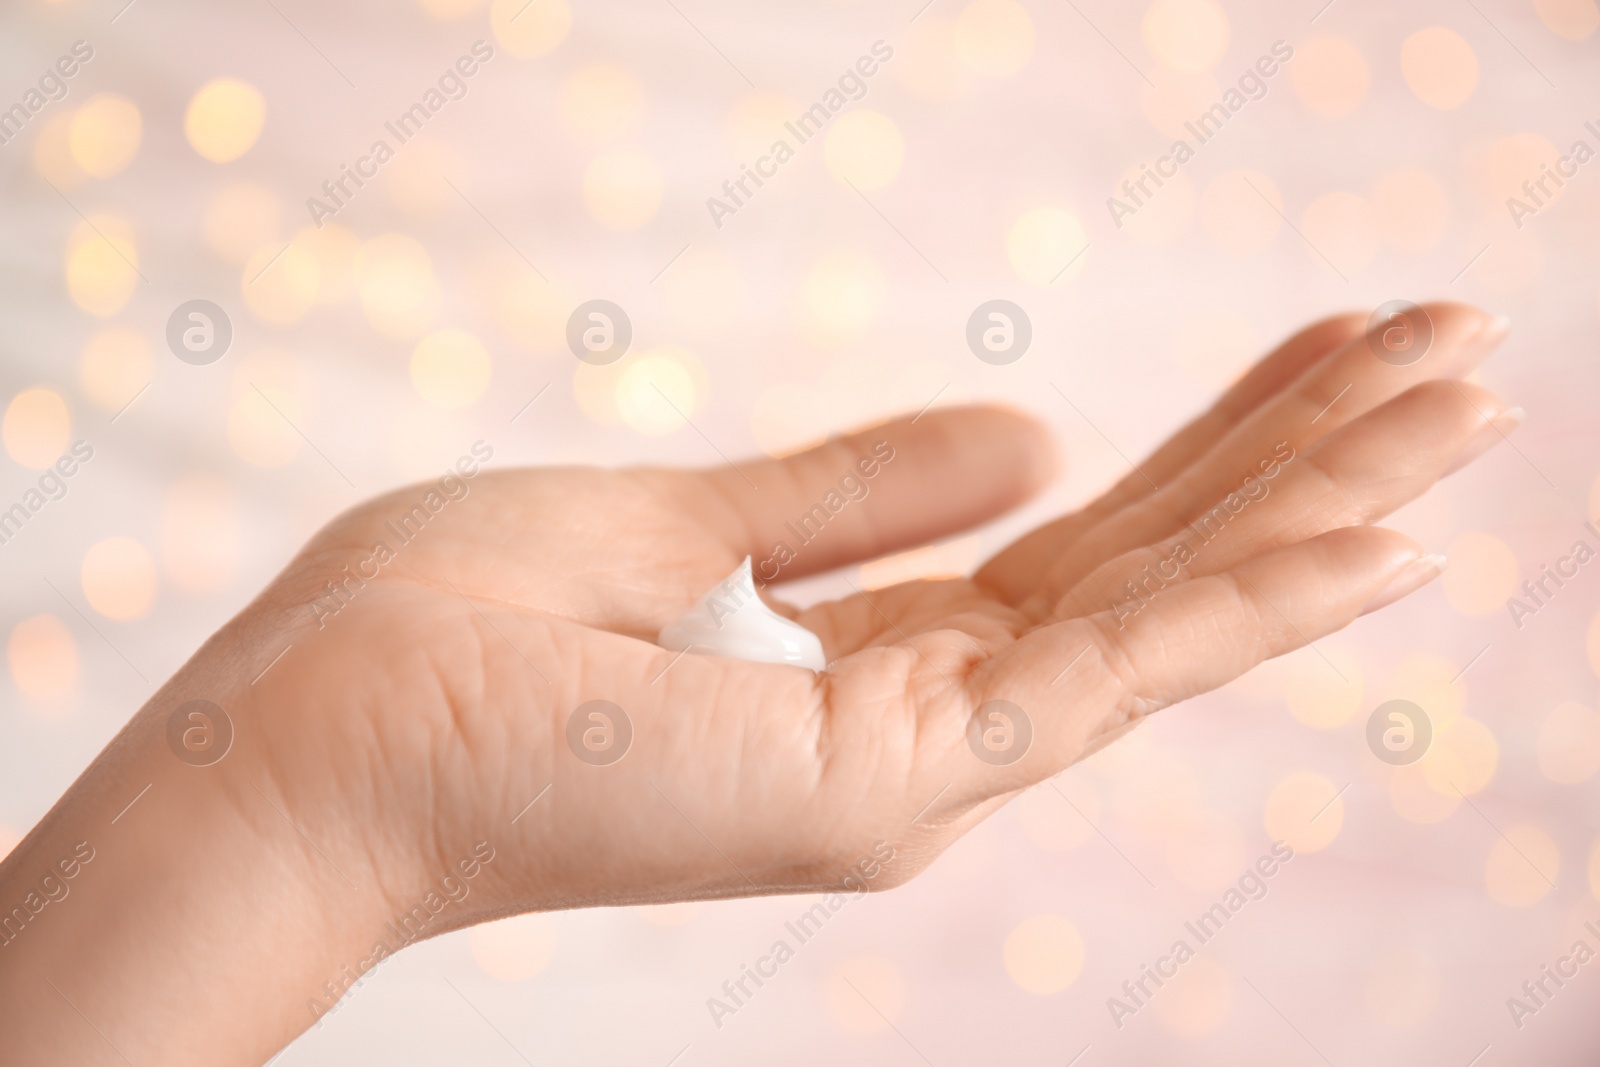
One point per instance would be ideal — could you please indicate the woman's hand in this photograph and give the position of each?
(419, 720)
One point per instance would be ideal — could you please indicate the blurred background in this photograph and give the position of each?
(430, 310)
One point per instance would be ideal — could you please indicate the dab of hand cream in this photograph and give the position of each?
(730, 620)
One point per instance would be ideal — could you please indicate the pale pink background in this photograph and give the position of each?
(1391, 945)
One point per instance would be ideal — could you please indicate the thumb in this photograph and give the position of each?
(891, 486)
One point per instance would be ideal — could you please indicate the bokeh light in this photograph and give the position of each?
(1462, 759)
(200, 534)
(623, 188)
(44, 659)
(1330, 76)
(864, 148)
(1305, 810)
(105, 134)
(1044, 954)
(119, 578)
(528, 29)
(1573, 19)
(840, 296)
(37, 427)
(419, 180)
(280, 284)
(1047, 243)
(1412, 210)
(1190, 36)
(1481, 575)
(266, 408)
(115, 364)
(661, 389)
(240, 218)
(1569, 743)
(602, 102)
(514, 949)
(394, 275)
(102, 265)
(1522, 867)
(1197, 1002)
(994, 37)
(224, 119)
(1440, 67)
(1325, 686)
(334, 250)
(928, 62)
(52, 152)
(450, 368)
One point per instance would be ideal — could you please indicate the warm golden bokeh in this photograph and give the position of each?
(105, 135)
(1044, 954)
(1330, 76)
(119, 579)
(115, 365)
(1440, 67)
(1047, 244)
(37, 427)
(44, 660)
(224, 119)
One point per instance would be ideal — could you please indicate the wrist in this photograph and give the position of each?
(189, 891)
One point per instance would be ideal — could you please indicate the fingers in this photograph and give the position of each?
(898, 484)
(1014, 573)
(1340, 388)
(1357, 475)
(1079, 679)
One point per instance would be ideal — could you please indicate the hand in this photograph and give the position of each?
(423, 716)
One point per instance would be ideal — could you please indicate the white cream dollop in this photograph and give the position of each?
(731, 620)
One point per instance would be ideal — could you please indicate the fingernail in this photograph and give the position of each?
(1489, 434)
(1416, 574)
(1480, 344)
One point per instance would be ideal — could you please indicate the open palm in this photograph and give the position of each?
(432, 710)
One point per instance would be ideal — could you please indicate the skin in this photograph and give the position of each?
(409, 732)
